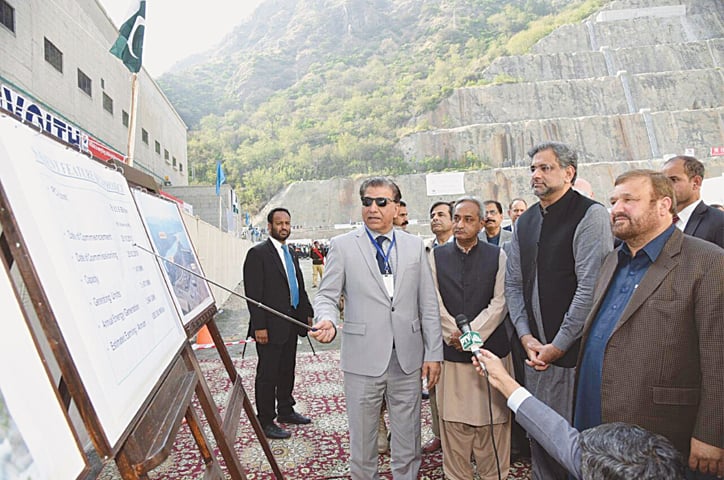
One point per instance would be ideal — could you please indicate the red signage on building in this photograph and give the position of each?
(717, 152)
(102, 152)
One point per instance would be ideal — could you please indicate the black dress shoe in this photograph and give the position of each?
(275, 431)
(295, 418)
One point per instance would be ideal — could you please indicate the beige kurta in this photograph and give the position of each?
(462, 395)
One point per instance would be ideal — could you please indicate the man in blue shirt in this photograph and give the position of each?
(651, 349)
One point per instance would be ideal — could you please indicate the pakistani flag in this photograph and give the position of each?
(129, 46)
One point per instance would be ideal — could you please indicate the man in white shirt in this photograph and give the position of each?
(693, 217)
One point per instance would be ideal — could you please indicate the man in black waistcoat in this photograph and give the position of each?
(470, 280)
(554, 258)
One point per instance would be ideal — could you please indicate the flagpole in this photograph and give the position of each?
(132, 120)
(220, 214)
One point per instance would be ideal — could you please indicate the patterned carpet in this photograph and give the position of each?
(314, 452)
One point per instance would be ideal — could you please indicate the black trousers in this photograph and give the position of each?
(275, 379)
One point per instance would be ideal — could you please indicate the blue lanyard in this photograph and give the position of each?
(386, 257)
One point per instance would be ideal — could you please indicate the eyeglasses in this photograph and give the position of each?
(380, 201)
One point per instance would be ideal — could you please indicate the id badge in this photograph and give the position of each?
(389, 284)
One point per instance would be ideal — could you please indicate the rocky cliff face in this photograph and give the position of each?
(635, 83)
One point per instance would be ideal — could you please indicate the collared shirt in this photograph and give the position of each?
(385, 245)
(629, 273)
(685, 215)
(436, 244)
(278, 246)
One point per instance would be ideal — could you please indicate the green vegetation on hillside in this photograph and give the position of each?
(343, 113)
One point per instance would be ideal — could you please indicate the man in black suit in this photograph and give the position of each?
(272, 276)
(693, 217)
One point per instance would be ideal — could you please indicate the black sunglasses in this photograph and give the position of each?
(380, 201)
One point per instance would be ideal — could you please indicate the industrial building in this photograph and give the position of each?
(56, 73)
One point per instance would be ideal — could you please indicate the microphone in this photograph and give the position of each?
(470, 340)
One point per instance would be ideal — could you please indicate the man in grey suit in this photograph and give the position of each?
(492, 231)
(391, 338)
(615, 451)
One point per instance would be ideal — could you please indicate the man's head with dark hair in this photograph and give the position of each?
(692, 166)
(620, 451)
(270, 215)
(498, 205)
(493, 217)
(566, 156)
(440, 202)
(687, 175)
(553, 170)
(441, 224)
(401, 219)
(381, 182)
(279, 223)
(517, 207)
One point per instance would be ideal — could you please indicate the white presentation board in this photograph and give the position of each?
(170, 240)
(79, 222)
(447, 183)
(35, 438)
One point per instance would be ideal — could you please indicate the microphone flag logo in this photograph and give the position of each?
(471, 340)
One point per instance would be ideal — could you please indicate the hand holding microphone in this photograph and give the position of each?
(490, 366)
(487, 364)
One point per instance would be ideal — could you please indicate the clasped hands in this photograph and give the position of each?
(540, 356)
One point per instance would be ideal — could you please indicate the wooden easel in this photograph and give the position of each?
(150, 442)
(238, 397)
(141, 443)
(149, 438)
(227, 427)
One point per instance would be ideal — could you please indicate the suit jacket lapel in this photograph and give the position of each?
(696, 217)
(653, 277)
(401, 265)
